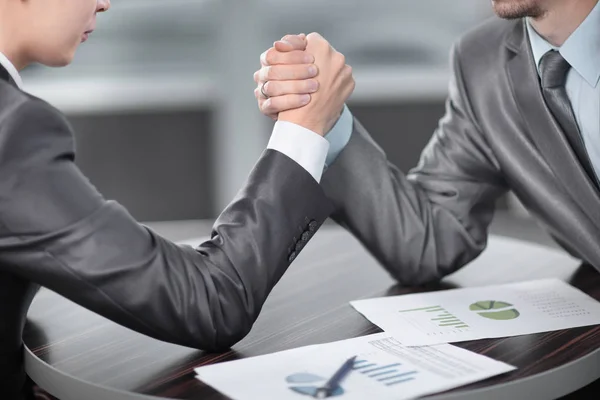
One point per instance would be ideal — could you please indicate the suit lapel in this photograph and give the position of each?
(5, 76)
(542, 128)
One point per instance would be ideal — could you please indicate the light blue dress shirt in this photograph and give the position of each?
(582, 51)
(339, 135)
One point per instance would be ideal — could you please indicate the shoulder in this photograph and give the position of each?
(483, 46)
(30, 127)
(15, 103)
(487, 35)
(479, 56)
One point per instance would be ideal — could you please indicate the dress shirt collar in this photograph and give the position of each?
(14, 74)
(581, 49)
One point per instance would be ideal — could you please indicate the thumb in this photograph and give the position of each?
(290, 43)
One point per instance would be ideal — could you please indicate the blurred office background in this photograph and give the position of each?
(161, 96)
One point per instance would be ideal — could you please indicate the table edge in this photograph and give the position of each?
(550, 384)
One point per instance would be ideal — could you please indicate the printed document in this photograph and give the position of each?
(383, 369)
(457, 315)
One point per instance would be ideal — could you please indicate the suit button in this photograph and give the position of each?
(305, 237)
(292, 256)
(312, 226)
(299, 246)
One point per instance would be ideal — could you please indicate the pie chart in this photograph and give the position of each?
(308, 384)
(493, 309)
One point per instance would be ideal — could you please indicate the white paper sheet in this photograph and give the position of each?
(481, 312)
(384, 369)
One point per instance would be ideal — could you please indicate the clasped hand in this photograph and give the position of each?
(303, 80)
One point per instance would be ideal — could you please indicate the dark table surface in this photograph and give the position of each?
(310, 305)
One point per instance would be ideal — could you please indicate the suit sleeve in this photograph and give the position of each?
(58, 231)
(430, 222)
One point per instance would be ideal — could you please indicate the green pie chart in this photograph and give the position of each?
(493, 309)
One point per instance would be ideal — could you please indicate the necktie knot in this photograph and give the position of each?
(553, 69)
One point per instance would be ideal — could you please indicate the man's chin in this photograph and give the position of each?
(58, 61)
(515, 9)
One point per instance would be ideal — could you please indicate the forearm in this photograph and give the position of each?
(420, 227)
(207, 298)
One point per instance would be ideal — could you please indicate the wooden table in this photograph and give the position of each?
(75, 354)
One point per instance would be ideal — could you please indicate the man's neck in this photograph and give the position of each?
(561, 19)
(15, 61)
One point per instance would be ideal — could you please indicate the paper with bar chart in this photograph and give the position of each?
(383, 369)
(457, 315)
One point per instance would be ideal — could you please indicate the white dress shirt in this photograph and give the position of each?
(302, 145)
(14, 74)
(314, 154)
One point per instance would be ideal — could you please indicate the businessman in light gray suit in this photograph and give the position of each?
(522, 114)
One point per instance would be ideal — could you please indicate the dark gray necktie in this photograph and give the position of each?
(553, 71)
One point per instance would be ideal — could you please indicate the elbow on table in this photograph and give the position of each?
(420, 272)
(227, 336)
(414, 279)
(212, 337)
(416, 274)
(229, 321)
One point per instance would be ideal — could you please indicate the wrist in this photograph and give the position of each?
(333, 121)
(319, 128)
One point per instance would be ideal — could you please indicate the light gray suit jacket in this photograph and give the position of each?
(57, 231)
(497, 135)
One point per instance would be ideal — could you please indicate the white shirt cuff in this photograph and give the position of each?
(302, 145)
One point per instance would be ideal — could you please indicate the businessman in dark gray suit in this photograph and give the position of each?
(57, 231)
(522, 114)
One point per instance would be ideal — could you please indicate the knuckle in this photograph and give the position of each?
(340, 59)
(267, 88)
(348, 71)
(267, 106)
(350, 86)
(316, 39)
(261, 75)
(269, 73)
(271, 56)
(305, 86)
(294, 57)
(299, 72)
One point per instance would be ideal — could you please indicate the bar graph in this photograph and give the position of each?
(439, 316)
(389, 375)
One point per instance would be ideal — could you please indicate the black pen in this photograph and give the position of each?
(333, 382)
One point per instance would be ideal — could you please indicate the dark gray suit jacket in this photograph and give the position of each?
(57, 231)
(497, 135)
